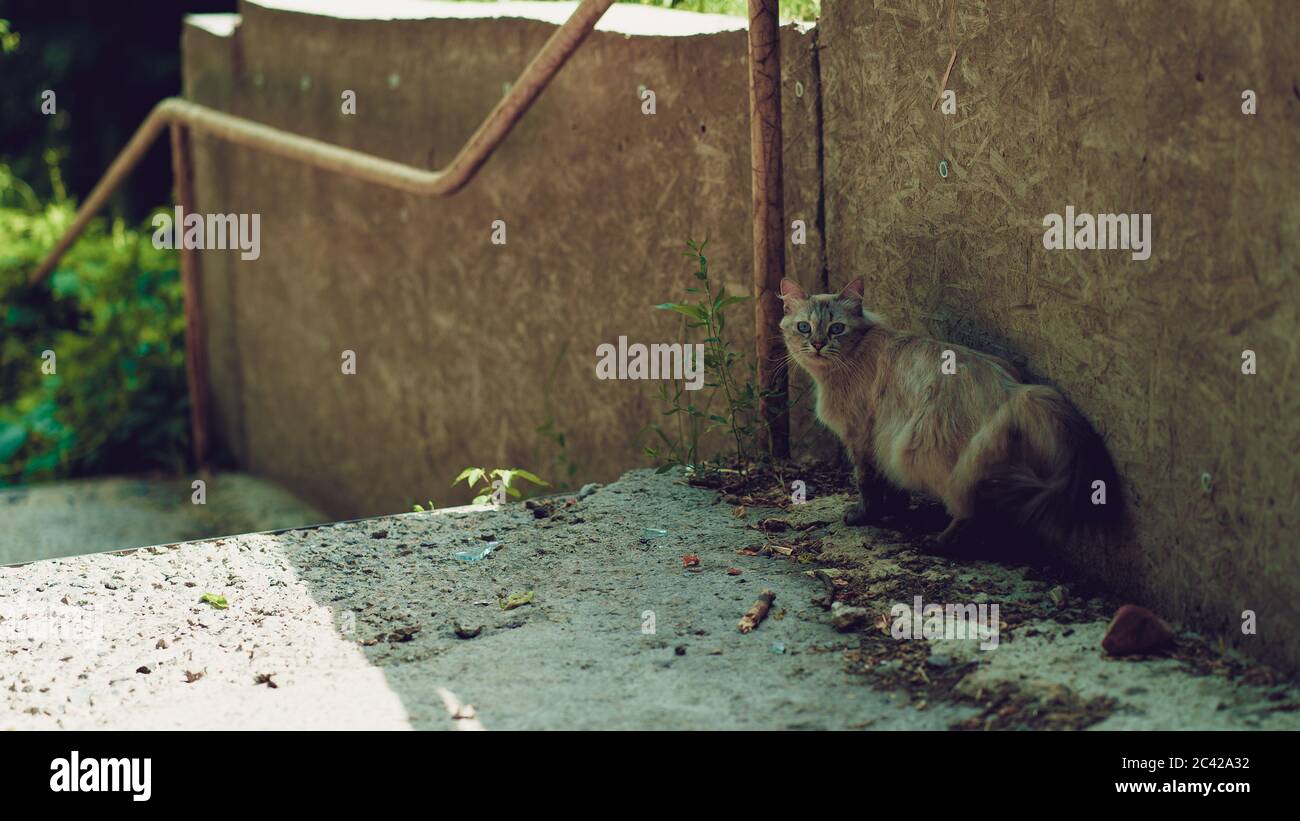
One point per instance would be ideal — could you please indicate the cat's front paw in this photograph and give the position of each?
(957, 540)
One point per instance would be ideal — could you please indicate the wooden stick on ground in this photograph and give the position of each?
(758, 612)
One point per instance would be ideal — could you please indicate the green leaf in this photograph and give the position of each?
(693, 311)
(218, 602)
(523, 474)
(470, 475)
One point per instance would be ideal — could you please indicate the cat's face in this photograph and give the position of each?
(823, 330)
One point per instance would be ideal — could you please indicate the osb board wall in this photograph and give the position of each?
(1111, 107)
(456, 337)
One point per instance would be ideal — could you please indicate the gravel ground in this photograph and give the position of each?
(353, 625)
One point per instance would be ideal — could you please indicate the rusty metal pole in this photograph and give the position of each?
(196, 339)
(769, 219)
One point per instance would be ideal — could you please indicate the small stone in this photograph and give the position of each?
(1136, 630)
(466, 633)
(143, 669)
(845, 618)
(379, 534)
(679, 650)
(588, 489)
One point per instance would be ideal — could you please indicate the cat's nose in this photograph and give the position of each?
(817, 346)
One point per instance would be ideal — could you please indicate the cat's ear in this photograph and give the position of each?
(791, 293)
(854, 290)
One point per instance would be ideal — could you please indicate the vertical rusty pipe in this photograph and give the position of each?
(196, 340)
(769, 219)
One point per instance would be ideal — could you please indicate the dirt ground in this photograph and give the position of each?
(377, 624)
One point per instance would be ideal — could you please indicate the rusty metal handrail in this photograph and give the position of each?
(183, 117)
(495, 128)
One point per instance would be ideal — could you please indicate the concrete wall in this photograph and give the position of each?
(1107, 106)
(1110, 107)
(455, 336)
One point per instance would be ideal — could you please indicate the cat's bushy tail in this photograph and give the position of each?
(1046, 487)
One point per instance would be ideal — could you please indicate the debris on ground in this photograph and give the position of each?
(757, 612)
(464, 632)
(265, 678)
(1057, 595)
(218, 602)
(517, 600)
(1054, 707)
(476, 554)
(690, 560)
(310, 597)
(845, 618)
(827, 601)
(541, 508)
(403, 633)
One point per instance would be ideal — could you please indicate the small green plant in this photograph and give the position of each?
(706, 312)
(499, 479)
(561, 464)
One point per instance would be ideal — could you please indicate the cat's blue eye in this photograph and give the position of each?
(837, 328)
(804, 328)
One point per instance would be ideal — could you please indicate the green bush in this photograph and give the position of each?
(112, 313)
